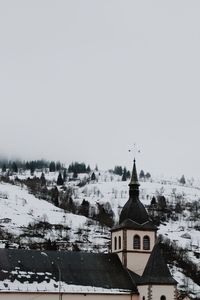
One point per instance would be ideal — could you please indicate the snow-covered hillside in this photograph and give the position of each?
(20, 212)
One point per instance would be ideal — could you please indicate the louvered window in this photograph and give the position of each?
(146, 242)
(120, 242)
(136, 242)
(115, 243)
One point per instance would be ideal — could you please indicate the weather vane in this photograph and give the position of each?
(134, 150)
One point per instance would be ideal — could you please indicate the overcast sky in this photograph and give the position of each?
(85, 80)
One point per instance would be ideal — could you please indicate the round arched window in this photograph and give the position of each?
(136, 242)
(120, 242)
(146, 242)
(162, 297)
(115, 243)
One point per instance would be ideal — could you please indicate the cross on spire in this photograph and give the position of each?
(134, 150)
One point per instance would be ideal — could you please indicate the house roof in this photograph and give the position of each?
(36, 270)
(156, 270)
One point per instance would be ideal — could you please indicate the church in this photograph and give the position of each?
(134, 270)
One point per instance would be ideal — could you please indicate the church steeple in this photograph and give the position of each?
(134, 184)
(134, 237)
(134, 177)
(133, 209)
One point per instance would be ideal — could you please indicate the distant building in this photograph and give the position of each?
(134, 270)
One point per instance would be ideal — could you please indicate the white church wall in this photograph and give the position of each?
(54, 296)
(169, 291)
(143, 292)
(132, 233)
(155, 292)
(136, 262)
(117, 234)
(137, 259)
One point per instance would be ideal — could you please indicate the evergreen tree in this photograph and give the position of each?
(93, 176)
(52, 166)
(88, 169)
(142, 175)
(43, 179)
(75, 175)
(96, 168)
(182, 179)
(4, 168)
(153, 201)
(32, 167)
(60, 179)
(162, 204)
(14, 167)
(58, 166)
(64, 175)
(148, 175)
(124, 176)
(178, 208)
(128, 174)
(118, 170)
(27, 166)
(55, 196)
(84, 208)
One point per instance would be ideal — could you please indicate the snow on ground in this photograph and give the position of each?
(18, 208)
(55, 287)
(185, 283)
(22, 208)
(110, 189)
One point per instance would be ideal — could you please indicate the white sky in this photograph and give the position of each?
(84, 80)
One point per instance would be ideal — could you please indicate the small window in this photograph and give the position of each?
(146, 242)
(136, 242)
(162, 298)
(115, 243)
(120, 242)
(143, 298)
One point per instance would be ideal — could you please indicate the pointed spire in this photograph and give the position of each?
(134, 184)
(134, 177)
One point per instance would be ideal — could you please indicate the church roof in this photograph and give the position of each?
(156, 270)
(31, 270)
(134, 210)
(129, 224)
(134, 214)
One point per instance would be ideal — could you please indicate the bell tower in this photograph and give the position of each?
(134, 237)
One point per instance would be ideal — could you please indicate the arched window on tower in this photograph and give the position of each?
(115, 243)
(146, 242)
(120, 242)
(136, 242)
(162, 297)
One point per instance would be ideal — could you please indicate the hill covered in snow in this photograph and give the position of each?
(37, 213)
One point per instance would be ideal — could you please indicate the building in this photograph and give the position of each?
(135, 268)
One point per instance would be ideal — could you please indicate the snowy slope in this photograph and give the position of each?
(18, 209)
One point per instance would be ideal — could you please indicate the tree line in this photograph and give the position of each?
(33, 165)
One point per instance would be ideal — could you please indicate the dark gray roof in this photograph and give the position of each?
(156, 270)
(129, 224)
(133, 209)
(75, 268)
